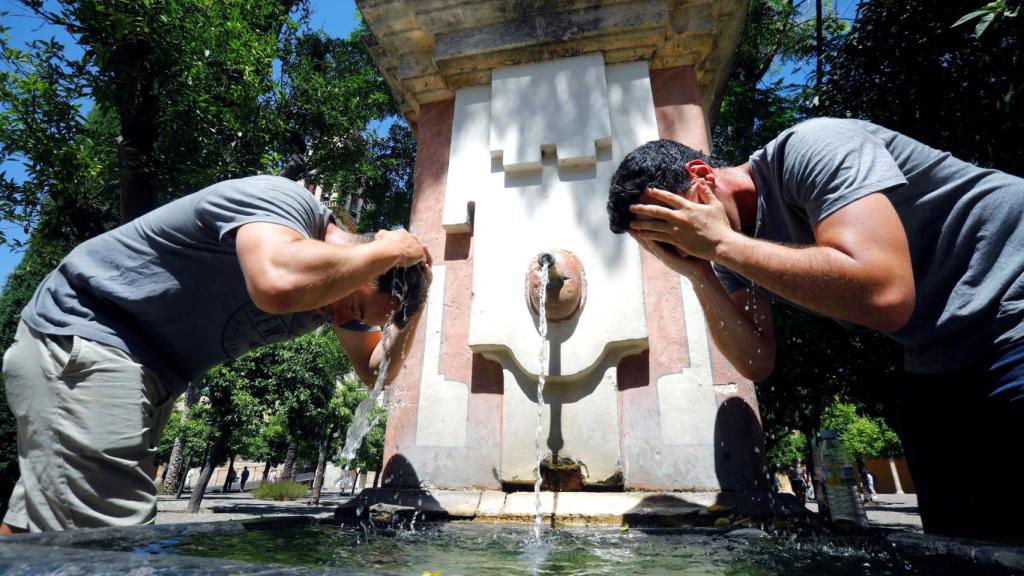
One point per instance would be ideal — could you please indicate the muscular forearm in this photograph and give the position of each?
(309, 274)
(745, 337)
(823, 279)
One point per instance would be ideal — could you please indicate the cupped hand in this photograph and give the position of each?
(694, 228)
(403, 246)
(689, 266)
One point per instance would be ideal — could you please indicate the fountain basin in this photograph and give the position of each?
(312, 547)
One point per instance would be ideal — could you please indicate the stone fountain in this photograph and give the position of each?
(522, 112)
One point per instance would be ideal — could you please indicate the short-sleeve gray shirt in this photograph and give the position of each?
(964, 225)
(168, 287)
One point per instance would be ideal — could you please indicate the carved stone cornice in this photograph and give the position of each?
(428, 49)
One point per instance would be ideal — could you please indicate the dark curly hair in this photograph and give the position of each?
(656, 164)
(409, 286)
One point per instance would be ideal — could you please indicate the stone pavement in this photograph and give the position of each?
(890, 511)
(241, 506)
(898, 511)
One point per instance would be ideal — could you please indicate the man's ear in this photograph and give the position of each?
(700, 169)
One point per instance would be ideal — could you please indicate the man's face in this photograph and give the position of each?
(366, 304)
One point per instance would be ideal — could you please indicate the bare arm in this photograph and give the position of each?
(285, 272)
(740, 323)
(858, 270)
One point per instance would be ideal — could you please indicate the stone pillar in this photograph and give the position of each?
(895, 476)
(521, 117)
(445, 420)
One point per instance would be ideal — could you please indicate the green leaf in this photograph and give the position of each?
(968, 17)
(983, 24)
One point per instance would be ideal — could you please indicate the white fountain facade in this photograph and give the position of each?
(522, 113)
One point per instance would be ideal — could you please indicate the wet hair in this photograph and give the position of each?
(656, 164)
(409, 286)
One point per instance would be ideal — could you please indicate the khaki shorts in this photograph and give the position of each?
(89, 420)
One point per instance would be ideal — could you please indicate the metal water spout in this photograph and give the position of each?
(566, 286)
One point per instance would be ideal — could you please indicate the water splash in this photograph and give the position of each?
(364, 419)
(542, 327)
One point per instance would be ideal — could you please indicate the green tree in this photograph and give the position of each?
(758, 103)
(790, 448)
(234, 395)
(863, 436)
(906, 66)
(199, 68)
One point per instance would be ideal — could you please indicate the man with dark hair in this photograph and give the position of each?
(114, 333)
(850, 220)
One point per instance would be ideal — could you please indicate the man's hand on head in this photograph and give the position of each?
(693, 227)
(408, 251)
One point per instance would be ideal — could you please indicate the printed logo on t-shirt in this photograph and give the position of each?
(249, 327)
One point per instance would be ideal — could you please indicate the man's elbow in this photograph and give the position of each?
(278, 296)
(891, 309)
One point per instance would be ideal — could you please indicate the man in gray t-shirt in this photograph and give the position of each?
(853, 221)
(114, 334)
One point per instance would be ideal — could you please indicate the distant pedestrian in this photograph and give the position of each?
(869, 482)
(245, 476)
(798, 482)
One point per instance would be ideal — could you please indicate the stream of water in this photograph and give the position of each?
(542, 327)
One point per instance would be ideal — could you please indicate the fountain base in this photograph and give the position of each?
(565, 475)
(587, 508)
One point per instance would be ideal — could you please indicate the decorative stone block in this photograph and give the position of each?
(560, 103)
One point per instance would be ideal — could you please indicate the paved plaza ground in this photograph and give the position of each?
(890, 511)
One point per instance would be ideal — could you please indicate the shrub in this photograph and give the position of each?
(284, 490)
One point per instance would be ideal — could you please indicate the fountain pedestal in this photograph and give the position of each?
(522, 113)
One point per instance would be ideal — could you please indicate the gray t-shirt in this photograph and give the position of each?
(167, 287)
(964, 224)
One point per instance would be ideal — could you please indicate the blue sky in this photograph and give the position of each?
(336, 17)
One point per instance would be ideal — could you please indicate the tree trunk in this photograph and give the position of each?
(895, 475)
(376, 479)
(182, 476)
(355, 478)
(228, 480)
(218, 451)
(318, 478)
(266, 473)
(173, 475)
(138, 110)
(171, 472)
(288, 469)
